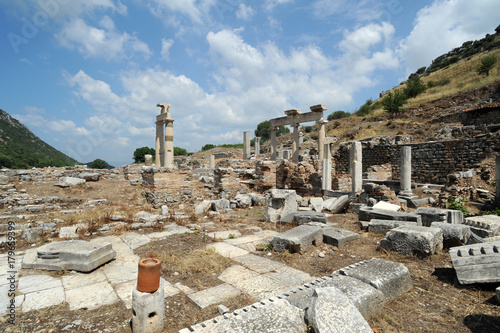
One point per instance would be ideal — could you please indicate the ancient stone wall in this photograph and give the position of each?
(431, 161)
(303, 177)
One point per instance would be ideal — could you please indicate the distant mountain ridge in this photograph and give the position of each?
(20, 148)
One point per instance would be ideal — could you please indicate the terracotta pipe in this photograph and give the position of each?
(148, 279)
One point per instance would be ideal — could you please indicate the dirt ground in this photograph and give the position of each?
(437, 303)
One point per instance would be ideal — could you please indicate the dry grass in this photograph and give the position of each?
(199, 261)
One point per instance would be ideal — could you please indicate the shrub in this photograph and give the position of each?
(338, 115)
(140, 152)
(487, 64)
(393, 102)
(180, 151)
(414, 87)
(365, 109)
(208, 146)
(308, 129)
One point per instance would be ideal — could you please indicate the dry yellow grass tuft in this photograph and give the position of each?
(198, 261)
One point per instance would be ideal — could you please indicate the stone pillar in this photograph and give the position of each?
(148, 311)
(301, 138)
(273, 143)
(321, 137)
(212, 162)
(355, 166)
(160, 144)
(246, 145)
(148, 160)
(257, 146)
(326, 183)
(169, 144)
(295, 144)
(497, 179)
(405, 171)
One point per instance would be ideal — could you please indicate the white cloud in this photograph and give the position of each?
(245, 12)
(166, 44)
(106, 43)
(270, 4)
(444, 25)
(360, 40)
(196, 10)
(361, 11)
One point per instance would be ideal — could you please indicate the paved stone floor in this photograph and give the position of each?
(114, 281)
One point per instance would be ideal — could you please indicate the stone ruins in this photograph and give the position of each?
(370, 213)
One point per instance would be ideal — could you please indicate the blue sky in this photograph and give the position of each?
(85, 76)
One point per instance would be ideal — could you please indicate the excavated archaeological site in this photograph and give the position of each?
(325, 234)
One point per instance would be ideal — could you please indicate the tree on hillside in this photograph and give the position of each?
(365, 109)
(393, 102)
(98, 164)
(208, 146)
(140, 152)
(414, 87)
(180, 151)
(337, 115)
(264, 130)
(487, 64)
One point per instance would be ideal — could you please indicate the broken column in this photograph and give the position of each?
(257, 146)
(295, 144)
(164, 144)
(321, 123)
(273, 143)
(355, 166)
(246, 145)
(148, 299)
(405, 171)
(326, 183)
(212, 161)
(148, 160)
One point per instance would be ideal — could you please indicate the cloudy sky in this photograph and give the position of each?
(86, 75)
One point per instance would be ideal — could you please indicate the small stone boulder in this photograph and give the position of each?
(279, 203)
(453, 234)
(89, 176)
(298, 239)
(414, 240)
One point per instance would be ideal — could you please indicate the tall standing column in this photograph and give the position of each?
(321, 137)
(326, 183)
(246, 145)
(169, 144)
(295, 144)
(497, 179)
(273, 143)
(405, 171)
(355, 166)
(159, 148)
(257, 146)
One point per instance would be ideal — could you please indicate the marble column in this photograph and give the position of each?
(160, 144)
(355, 166)
(257, 146)
(212, 162)
(405, 171)
(148, 160)
(326, 182)
(246, 145)
(169, 144)
(321, 137)
(273, 143)
(295, 144)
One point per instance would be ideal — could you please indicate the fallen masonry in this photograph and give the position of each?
(361, 290)
(414, 240)
(298, 239)
(477, 263)
(78, 255)
(484, 226)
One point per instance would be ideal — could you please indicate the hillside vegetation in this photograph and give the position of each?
(20, 148)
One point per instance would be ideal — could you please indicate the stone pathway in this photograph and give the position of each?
(113, 282)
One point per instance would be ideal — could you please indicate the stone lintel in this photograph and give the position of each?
(318, 108)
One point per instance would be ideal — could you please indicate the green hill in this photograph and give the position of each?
(20, 148)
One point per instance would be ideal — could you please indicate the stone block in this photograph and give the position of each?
(391, 278)
(331, 310)
(368, 213)
(243, 200)
(414, 240)
(430, 215)
(337, 236)
(484, 226)
(298, 239)
(387, 206)
(214, 295)
(336, 205)
(384, 226)
(277, 316)
(279, 203)
(303, 217)
(316, 203)
(221, 204)
(89, 176)
(202, 207)
(453, 234)
(478, 263)
(72, 181)
(75, 255)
